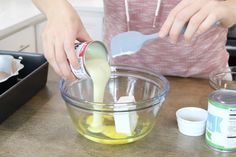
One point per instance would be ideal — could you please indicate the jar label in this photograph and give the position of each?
(221, 126)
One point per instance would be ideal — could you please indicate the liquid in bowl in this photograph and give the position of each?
(148, 88)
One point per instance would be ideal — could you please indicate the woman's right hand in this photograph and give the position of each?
(63, 28)
(199, 15)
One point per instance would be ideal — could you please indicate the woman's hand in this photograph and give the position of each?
(63, 28)
(198, 16)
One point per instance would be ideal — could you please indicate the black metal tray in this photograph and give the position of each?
(17, 90)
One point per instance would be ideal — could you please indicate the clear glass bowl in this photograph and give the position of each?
(149, 90)
(223, 78)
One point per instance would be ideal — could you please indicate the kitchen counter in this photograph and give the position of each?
(42, 127)
(16, 15)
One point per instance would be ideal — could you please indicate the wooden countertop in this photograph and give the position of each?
(43, 128)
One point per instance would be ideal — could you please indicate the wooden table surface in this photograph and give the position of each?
(43, 128)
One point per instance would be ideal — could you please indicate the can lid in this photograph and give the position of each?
(86, 51)
(224, 96)
(96, 50)
(191, 120)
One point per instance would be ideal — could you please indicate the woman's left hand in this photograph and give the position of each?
(198, 16)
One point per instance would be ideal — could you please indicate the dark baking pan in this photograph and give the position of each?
(32, 78)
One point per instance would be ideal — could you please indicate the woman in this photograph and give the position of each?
(195, 54)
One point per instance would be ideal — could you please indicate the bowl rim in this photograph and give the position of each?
(214, 73)
(132, 106)
(221, 70)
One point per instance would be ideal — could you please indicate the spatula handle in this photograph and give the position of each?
(151, 37)
(156, 35)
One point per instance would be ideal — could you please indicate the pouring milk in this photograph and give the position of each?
(93, 60)
(99, 71)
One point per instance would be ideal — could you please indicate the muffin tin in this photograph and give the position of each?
(9, 67)
(17, 90)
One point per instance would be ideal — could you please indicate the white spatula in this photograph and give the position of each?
(129, 42)
(132, 41)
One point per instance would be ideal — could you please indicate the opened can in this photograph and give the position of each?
(86, 51)
(221, 123)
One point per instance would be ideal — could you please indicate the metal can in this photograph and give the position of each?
(86, 51)
(221, 123)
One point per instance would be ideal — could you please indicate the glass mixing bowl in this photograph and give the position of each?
(223, 78)
(119, 123)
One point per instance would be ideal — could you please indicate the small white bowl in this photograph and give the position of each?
(9, 66)
(191, 121)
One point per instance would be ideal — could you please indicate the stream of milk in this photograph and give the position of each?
(99, 71)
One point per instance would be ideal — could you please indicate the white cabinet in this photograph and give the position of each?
(23, 40)
(26, 40)
(93, 22)
(29, 39)
(39, 30)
